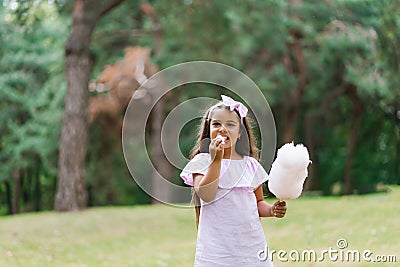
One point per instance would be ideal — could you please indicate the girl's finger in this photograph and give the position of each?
(280, 212)
(280, 209)
(214, 143)
(282, 203)
(218, 142)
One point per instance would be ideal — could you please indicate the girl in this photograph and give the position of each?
(227, 178)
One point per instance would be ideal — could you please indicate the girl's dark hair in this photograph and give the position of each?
(245, 145)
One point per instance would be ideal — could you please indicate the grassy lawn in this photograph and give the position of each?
(165, 236)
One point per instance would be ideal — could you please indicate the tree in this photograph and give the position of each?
(389, 55)
(71, 191)
(31, 95)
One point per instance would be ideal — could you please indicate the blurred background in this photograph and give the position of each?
(68, 69)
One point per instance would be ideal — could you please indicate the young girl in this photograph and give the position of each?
(227, 178)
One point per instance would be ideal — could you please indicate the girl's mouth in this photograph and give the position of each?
(223, 138)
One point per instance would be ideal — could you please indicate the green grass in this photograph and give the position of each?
(162, 235)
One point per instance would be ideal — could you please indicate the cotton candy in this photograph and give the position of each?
(289, 171)
(223, 138)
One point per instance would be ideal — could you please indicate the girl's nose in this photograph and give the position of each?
(222, 128)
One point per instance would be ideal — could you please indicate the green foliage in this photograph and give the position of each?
(339, 42)
(343, 42)
(388, 51)
(108, 178)
(31, 92)
(124, 26)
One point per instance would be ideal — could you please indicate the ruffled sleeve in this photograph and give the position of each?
(260, 175)
(199, 164)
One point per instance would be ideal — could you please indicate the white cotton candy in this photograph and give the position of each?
(223, 138)
(289, 171)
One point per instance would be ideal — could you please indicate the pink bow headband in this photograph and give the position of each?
(232, 104)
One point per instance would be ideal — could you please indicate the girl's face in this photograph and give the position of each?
(225, 123)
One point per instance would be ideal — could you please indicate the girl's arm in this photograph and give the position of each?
(206, 185)
(278, 209)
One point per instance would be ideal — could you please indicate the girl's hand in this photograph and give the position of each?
(278, 210)
(216, 149)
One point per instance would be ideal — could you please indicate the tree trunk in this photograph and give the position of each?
(312, 141)
(26, 187)
(290, 118)
(161, 164)
(312, 181)
(71, 192)
(17, 191)
(397, 165)
(292, 102)
(356, 119)
(163, 168)
(38, 192)
(9, 197)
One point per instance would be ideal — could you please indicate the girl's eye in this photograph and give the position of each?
(216, 123)
(231, 124)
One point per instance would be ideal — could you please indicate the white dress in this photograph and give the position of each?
(230, 232)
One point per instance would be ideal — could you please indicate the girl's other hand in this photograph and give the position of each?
(216, 149)
(279, 208)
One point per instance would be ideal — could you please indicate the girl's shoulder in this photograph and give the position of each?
(252, 160)
(255, 165)
(198, 164)
(201, 156)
